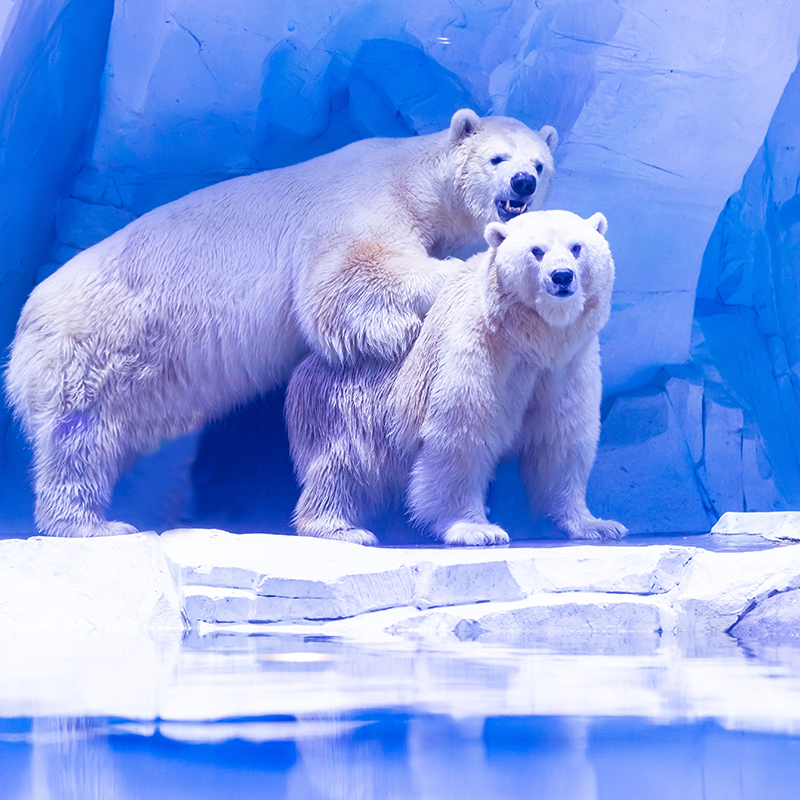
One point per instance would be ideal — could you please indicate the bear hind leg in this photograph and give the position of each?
(329, 506)
(77, 462)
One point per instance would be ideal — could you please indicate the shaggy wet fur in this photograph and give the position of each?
(206, 302)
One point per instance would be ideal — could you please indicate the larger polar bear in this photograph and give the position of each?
(507, 362)
(205, 302)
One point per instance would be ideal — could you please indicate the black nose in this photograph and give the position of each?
(524, 184)
(562, 277)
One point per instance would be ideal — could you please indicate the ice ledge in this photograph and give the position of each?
(211, 580)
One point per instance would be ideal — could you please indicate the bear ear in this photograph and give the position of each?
(550, 136)
(495, 234)
(599, 223)
(464, 123)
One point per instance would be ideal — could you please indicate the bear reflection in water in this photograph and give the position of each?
(507, 363)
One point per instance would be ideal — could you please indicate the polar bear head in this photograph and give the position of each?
(552, 261)
(502, 167)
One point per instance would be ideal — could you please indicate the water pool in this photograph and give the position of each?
(301, 718)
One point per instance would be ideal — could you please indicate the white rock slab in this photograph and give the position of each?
(269, 578)
(721, 587)
(542, 617)
(591, 568)
(290, 567)
(775, 620)
(778, 526)
(492, 595)
(119, 583)
(262, 582)
(282, 566)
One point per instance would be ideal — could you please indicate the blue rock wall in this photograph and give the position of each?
(748, 295)
(51, 62)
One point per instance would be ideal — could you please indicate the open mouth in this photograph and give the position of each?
(508, 209)
(555, 291)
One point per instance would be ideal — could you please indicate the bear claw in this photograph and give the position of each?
(600, 529)
(87, 530)
(351, 535)
(474, 534)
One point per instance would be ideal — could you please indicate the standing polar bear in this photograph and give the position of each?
(507, 362)
(203, 303)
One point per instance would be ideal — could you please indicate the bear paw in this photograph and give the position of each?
(475, 534)
(352, 535)
(114, 529)
(599, 529)
(356, 536)
(87, 530)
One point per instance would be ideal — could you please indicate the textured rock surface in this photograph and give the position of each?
(259, 582)
(269, 579)
(775, 619)
(512, 596)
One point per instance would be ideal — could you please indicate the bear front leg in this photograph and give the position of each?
(447, 492)
(560, 434)
(369, 301)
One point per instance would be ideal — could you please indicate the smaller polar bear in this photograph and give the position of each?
(507, 363)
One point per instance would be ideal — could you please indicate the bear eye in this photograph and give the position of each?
(538, 253)
(539, 168)
(575, 250)
(498, 160)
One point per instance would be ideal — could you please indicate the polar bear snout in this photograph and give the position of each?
(523, 187)
(524, 184)
(562, 283)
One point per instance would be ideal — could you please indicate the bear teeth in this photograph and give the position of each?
(514, 208)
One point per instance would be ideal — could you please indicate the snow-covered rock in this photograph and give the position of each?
(519, 594)
(776, 526)
(541, 618)
(115, 584)
(148, 584)
(719, 588)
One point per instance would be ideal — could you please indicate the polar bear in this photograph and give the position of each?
(507, 363)
(205, 302)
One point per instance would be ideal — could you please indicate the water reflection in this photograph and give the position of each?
(287, 718)
(69, 759)
(400, 755)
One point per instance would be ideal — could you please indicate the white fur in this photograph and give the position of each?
(205, 302)
(502, 367)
